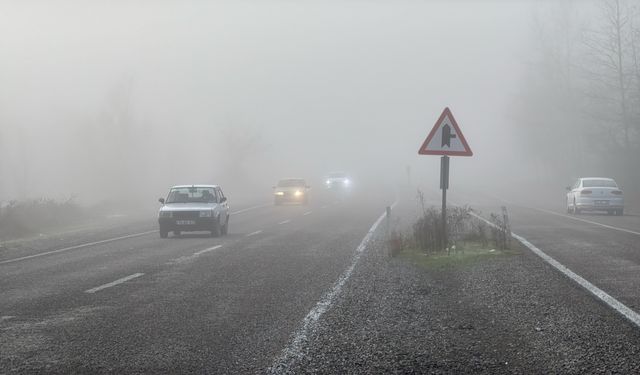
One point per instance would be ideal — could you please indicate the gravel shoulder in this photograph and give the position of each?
(505, 314)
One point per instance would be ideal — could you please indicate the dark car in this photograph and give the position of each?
(291, 190)
(190, 208)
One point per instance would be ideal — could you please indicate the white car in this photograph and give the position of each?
(338, 181)
(595, 194)
(190, 208)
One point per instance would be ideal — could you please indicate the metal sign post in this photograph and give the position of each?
(444, 185)
(445, 139)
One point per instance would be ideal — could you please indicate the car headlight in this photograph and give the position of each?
(279, 192)
(207, 213)
(328, 182)
(298, 193)
(347, 182)
(165, 214)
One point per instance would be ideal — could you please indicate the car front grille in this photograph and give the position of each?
(186, 214)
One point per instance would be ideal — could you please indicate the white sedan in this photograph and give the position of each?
(595, 194)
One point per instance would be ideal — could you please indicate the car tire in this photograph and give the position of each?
(225, 228)
(612, 212)
(177, 233)
(164, 233)
(620, 212)
(216, 231)
(576, 210)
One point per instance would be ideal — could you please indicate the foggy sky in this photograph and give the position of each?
(305, 87)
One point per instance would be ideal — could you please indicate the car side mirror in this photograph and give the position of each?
(161, 200)
(223, 199)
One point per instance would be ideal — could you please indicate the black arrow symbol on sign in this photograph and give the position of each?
(446, 136)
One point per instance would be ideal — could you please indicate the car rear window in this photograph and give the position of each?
(599, 183)
(192, 195)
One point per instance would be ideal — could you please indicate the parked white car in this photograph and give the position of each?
(595, 194)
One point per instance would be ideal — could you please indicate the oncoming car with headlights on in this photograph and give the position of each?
(337, 181)
(291, 190)
(190, 208)
(595, 194)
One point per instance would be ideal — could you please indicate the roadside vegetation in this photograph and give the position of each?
(30, 217)
(470, 238)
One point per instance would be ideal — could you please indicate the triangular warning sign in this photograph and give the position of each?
(445, 138)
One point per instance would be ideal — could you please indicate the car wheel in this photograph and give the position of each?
(164, 233)
(177, 233)
(620, 212)
(576, 210)
(225, 228)
(611, 212)
(215, 232)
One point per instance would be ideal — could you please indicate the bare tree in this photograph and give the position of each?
(609, 73)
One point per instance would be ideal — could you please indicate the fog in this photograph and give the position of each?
(120, 100)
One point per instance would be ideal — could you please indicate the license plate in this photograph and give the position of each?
(602, 203)
(186, 222)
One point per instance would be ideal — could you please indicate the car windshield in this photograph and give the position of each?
(192, 195)
(599, 183)
(291, 183)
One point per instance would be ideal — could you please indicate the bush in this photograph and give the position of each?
(21, 218)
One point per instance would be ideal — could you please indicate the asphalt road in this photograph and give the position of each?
(603, 249)
(118, 299)
(122, 300)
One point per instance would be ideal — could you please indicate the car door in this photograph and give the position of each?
(574, 190)
(224, 205)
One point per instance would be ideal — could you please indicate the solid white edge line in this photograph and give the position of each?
(254, 233)
(307, 213)
(113, 283)
(586, 221)
(284, 222)
(618, 306)
(77, 247)
(293, 351)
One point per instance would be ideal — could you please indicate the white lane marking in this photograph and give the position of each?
(249, 209)
(6, 317)
(293, 351)
(113, 283)
(618, 306)
(586, 221)
(284, 222)
(198, 253)
(307, 213)
(254, 233)
(186, 258)
(78, 247)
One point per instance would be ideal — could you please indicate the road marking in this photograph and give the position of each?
(618, 306)
(293, 351)
(78, 247)
(254, 233)
(186, 258)
(586, 221)
(249, 209)
(198, 253)
(307, 213)
(113, 283)
(284, 222)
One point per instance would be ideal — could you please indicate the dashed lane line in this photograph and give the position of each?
(254, 233)
(77, 247)
(249, 209)
(284, 222)
(618, 306)
(187, 258)
(113, 283)
(307, 213)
